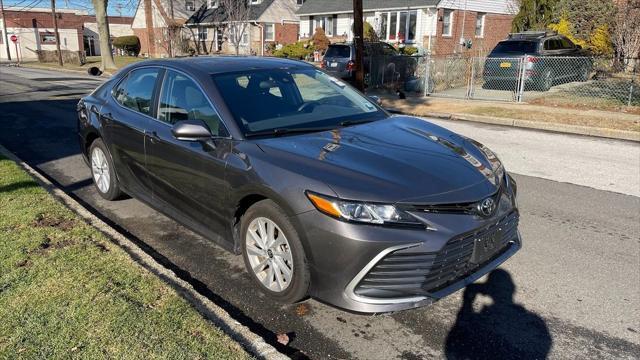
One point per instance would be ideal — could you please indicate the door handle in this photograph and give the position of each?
(152, 135)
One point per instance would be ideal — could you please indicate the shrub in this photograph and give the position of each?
(320, 40)
(299, 50)
(408, 50)
(369, 32)
(130, 44)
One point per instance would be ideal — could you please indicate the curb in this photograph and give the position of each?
(253, 343)
(529, 124)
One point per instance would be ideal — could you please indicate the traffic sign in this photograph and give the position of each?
(14, 38)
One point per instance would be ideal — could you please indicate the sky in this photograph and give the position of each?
(116, 7)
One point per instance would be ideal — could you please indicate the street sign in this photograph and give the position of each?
(14, 38)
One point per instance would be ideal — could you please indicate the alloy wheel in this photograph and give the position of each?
(100, 170)
(269, 254)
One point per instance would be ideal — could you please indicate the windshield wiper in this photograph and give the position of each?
(354, 122)
(284, 131)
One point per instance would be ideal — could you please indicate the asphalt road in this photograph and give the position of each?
(573, 291)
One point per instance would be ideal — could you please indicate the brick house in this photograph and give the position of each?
(270, 22)
(164, 13)
(439, 26)
(34, 28)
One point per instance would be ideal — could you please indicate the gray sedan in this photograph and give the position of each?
(321, 191)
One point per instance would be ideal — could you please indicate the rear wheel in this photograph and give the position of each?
(103, 172)
(273, 253)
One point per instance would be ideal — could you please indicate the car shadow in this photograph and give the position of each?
(502, 330)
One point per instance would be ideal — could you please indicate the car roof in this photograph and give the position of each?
(208, 65)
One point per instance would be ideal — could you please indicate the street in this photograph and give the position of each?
(572, 291)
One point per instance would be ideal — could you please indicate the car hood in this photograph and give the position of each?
(399, 159)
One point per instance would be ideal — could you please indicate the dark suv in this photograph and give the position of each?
(547, 59)
(382, 63)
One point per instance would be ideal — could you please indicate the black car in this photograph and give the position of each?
(382, 63)
(546, 58)
(320, 190)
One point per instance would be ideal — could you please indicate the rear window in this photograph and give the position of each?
(515, 47)
(338, 51)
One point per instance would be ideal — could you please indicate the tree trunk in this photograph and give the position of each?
(100, 7)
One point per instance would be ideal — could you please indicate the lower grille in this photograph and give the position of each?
(402, 273)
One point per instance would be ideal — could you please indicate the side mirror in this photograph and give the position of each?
(376, 100)
(191, 130)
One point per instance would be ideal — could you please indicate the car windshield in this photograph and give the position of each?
(291, 100)
(515, 47)
(338, 51)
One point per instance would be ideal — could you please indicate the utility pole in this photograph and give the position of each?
(358, 39)
(55, 27)
(5, 38)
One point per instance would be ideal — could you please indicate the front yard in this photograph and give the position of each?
(66, 291)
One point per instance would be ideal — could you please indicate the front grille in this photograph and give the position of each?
(404, 273)
(467, 208)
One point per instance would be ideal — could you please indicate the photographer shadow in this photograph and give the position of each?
(501, 330)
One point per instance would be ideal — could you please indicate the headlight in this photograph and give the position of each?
(361, 211)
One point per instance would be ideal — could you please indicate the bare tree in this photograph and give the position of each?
(100, 8)
(237, 20)
(626, 36)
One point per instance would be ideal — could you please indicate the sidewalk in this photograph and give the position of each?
(583, 122)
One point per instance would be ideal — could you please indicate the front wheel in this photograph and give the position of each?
(103, 172)
(273, 253)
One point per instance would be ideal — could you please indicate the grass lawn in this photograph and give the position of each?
(121, 61)
(66, 291)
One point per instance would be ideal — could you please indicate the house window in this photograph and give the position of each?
(190, 5)
(213, 4)
(447, 21)
(399, 25)
(480, 24)
(269, 32)
(202, 34)
(47, 38)
(1, 37)
(326, 23)
(254, 2)
(299, 2)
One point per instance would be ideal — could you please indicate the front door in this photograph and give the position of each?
(188, 177)
(124, 125)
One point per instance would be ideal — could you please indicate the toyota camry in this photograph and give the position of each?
(319, 189)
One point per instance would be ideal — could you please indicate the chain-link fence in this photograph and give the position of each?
(595, 82)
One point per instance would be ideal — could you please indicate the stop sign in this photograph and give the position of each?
(13, 38)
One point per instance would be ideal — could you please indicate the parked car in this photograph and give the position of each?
(382, 63)
(548, 59)
(321, 191)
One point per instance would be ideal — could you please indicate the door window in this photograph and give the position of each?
(136, 92)
(566, 43)
(181, 99)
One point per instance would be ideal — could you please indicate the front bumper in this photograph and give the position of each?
(350, 263)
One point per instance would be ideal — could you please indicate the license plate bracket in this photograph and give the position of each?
(486, 245)
(333, 64)
(505, 64)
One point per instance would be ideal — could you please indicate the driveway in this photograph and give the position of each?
(571, 292)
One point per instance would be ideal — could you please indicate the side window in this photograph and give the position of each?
(136, 91)
(388, 49)
(566, 43)
(181, 99)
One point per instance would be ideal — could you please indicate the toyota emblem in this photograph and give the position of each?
(486, 207)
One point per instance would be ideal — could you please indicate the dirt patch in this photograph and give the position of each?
(23, 263)
(44, 220)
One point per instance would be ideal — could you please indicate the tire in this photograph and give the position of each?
(103, 172)
(271, 264)
(546, 81)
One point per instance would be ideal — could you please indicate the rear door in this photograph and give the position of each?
(188, 177)
(124, 120)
